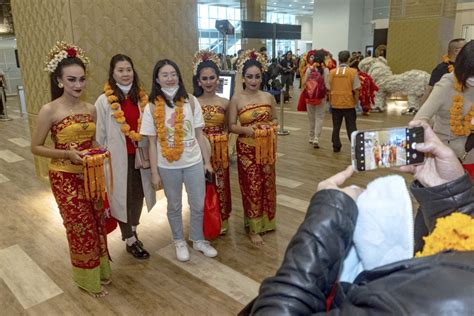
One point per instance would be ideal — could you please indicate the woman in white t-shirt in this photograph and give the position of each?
(173, 122)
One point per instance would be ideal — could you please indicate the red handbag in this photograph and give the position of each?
(212, 213)
(470, 169)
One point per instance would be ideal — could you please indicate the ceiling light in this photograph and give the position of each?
(302, 7)
(291, 5)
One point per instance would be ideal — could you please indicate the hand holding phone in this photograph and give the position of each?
(210, 177)
(386, 148)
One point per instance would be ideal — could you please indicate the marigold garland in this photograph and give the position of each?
(119, 115)
(159, 115)
(456, 121)
(446, 60)
(453, 232)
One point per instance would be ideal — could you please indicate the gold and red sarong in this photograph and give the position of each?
(256, 168)
(83, 219)
(214, 116)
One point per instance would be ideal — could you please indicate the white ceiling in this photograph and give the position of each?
(295, 7)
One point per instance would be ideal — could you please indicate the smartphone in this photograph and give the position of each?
(386, 148)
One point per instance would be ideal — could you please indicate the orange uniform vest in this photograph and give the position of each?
(341, 80)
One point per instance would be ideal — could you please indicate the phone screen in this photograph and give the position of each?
(386, 148)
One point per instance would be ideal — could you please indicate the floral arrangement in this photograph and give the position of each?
(119, 114)
(205, 55)
(446, 61)
(61, 51)
(170, 153)
(460, 126)
(251, 54)
(453, 232)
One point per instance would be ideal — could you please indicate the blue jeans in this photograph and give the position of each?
(193, 179)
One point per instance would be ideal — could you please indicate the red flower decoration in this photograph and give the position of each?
(71, 52)
(253, 55)
(205, 57)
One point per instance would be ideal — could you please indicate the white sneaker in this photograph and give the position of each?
(204, 247)
(310, 141)
(182, 252)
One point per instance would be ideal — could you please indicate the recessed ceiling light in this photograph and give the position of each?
(291, 5)
(303, 7)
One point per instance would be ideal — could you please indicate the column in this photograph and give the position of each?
(146, 30)
(253, 10)
(339, 25)
(418, 33)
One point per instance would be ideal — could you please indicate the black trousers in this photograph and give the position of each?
(135, 197)
(349, 115)
(287, 82)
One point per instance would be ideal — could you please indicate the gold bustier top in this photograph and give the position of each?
(255, 113)
(214, 117)
(76, 131)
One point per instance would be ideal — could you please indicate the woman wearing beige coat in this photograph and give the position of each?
(118, 113)
(439, 105)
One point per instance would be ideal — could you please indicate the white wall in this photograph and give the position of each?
(464, 18)
(306, 23)
(331, 25)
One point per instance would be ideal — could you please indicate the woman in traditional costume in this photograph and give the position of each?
(256, 147)
(72, 127)
(206, 81)
(177, 145)
(119, 110)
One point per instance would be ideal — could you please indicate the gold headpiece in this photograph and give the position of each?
(63, 50)
(205, 55)
(251, 54)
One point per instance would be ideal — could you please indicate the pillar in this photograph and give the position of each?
(146, 30)
(253, 10)
(339, 25)
(418, 33)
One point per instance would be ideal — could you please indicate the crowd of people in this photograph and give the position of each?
(169, 137)
(162, 140)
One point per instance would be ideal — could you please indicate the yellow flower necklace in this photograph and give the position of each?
(159, 115)
(456, 121)
(119, 115)
(455, 231)
(446, 61)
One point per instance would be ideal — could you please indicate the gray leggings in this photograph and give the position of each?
(193, 179)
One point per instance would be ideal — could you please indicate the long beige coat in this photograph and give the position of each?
(108, 134)
(437, 107)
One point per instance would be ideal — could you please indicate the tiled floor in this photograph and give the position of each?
(35, 269)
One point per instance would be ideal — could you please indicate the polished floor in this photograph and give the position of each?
(35, 274)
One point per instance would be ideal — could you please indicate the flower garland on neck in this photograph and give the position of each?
(456, 121)
(170, 153)
(455, 232)
(119, 115)
(446, 60)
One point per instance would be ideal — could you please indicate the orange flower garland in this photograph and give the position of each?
(456, 121)
(119, 114)
(446, 61)
(159, 115)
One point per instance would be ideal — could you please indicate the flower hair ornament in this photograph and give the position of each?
(61, 51)
(309, 54)
(205, 55)
(251, 54)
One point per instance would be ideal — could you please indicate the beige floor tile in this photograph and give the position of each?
(24, 277)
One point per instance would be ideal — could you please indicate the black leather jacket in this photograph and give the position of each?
(442, 284)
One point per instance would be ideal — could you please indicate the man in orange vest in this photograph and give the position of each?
(344, 93)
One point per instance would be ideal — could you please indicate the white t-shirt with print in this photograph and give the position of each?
(192, 152)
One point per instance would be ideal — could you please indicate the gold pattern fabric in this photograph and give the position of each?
(257, 181)
(214, 117)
